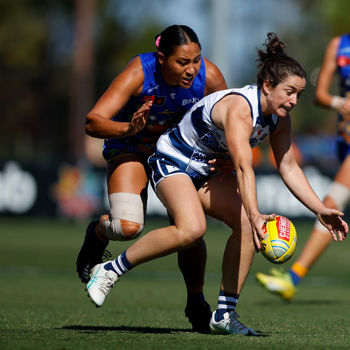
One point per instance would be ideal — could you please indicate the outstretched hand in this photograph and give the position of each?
(139, 118)
(331, 219)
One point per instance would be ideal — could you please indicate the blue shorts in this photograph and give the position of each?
(119, 149)
(343, 149)
(163, 166)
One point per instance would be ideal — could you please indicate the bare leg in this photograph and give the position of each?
(238, 257)
(221, 200)
(189, 219)
(127, 176)
(319, 240)
(192, 262)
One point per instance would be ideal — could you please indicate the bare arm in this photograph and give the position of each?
(295, 179)
(237, 123)
(128, 83)
(215, 81)
(325, 78)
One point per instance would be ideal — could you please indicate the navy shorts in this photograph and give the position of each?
(163, 166)
(343, 149)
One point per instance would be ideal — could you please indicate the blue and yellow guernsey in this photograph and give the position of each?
(169, 105)
(343, 63)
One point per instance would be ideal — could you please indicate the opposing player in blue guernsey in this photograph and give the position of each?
(150, 95)
(224, 124)
(336, 61)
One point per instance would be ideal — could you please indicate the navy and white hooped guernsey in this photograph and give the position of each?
(189, 146)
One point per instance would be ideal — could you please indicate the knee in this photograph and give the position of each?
(122, 230)
(126, 219)
(191, 233)
(338, 196)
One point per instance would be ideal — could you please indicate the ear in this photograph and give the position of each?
(161, 57)
(266, 87)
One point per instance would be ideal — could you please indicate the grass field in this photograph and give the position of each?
(44, 305)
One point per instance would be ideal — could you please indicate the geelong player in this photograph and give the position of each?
(224, 124)
(149, 96)
(336, 59)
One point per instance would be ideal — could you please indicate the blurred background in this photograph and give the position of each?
(58, 57)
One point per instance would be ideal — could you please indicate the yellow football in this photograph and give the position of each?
(280, 240)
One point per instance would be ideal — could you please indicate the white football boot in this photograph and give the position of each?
(101, 283)
(230, 325)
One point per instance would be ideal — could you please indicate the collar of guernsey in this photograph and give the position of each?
(170, 103)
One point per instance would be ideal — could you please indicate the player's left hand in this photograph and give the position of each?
(332, 220)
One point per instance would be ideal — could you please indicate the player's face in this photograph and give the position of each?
(182, 66)
(281, 99)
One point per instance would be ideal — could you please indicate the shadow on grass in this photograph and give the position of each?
(92, 329)
(151, 330)
(300, 302)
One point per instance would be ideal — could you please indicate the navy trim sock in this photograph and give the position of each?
(295, 278)
(120, 266)
(226, 302)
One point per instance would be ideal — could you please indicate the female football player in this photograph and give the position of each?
(149, 96)
(224, 124)
(336, 59)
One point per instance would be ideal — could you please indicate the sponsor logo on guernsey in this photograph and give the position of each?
(343, 61)
(153, 88)
(157, 100)
(172, 95)
(187, 101)
(283, 228)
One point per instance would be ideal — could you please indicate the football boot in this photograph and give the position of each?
(91, 252)
(279, 282)
(229, 324)
(199, 315)
(101, 283)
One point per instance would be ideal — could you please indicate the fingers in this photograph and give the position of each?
(145, 108)
(340, 236)
(334, 236)
(221, 165)
(256, 242)
(260, 234)
(270, 217)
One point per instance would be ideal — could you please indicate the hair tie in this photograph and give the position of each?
(157, 42)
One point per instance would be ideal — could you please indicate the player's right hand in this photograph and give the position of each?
(258, 222)
(345, 108)
(139, 118)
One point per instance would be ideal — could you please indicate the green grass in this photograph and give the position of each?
(44, 306)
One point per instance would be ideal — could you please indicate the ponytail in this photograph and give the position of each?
(274, 64)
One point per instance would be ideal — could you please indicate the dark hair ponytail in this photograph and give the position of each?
(274, 64)
(173, 36)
